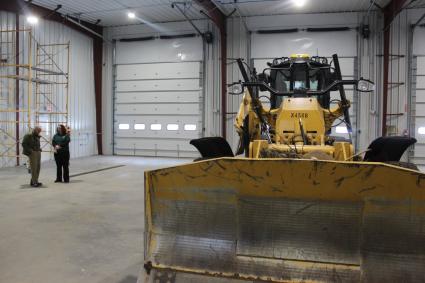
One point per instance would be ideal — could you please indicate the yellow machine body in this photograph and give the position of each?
(310, 214)
(294, 114)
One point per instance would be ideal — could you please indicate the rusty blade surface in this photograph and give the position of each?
(287, 220)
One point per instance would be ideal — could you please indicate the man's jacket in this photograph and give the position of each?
(30, 143)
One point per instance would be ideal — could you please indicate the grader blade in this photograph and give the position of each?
(285, 220)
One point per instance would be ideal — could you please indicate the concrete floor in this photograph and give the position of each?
(89, 230)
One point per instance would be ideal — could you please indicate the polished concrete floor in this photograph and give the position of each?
(89, 230)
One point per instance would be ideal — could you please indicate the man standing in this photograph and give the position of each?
(32, 149)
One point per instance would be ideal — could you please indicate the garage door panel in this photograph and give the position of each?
(165, 132)
(159, 144)
(347, 67)
(157, 153)
(163, 120)
(346, 64)
(158, 71)
(158, 85)
(419, 123)
(419, 95)
(261, 64)
(420, 65)
(157, 109)
(420, 151)
(159, 50)
(145, 122)
(420, 82)
(420, 109)
(172, 127)
(324, 43)
(158, 134)
(349, 93)
(159, 97)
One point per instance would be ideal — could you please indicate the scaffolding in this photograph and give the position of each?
(52, 88)
(15, 92)
(34, 90)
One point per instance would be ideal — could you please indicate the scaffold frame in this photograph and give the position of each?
(52, 89)
(34, 90)
(15, 115)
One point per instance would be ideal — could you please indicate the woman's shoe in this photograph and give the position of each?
(58, 181)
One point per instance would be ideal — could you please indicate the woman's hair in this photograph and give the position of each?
(62, 129)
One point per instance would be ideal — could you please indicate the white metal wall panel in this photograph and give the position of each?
(265, 47)
(82, 110)
(158, 97)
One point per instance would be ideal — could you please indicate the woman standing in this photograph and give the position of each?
(60, 143)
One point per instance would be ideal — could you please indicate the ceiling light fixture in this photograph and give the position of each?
(299, 3)
(131, 15)
(32, 20)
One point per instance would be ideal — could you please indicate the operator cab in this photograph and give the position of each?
(299, 73)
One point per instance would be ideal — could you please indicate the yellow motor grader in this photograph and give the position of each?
(301, 205)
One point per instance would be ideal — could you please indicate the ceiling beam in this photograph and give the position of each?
(23, 8)
(390, 12)
(219, 19)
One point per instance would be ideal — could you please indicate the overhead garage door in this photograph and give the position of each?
(417, 154)
(158, 97)
(266, 47)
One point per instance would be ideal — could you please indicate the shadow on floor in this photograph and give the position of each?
(128, 279)
(33, 188)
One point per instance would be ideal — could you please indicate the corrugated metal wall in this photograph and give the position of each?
(81, 80)
(82, 113)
